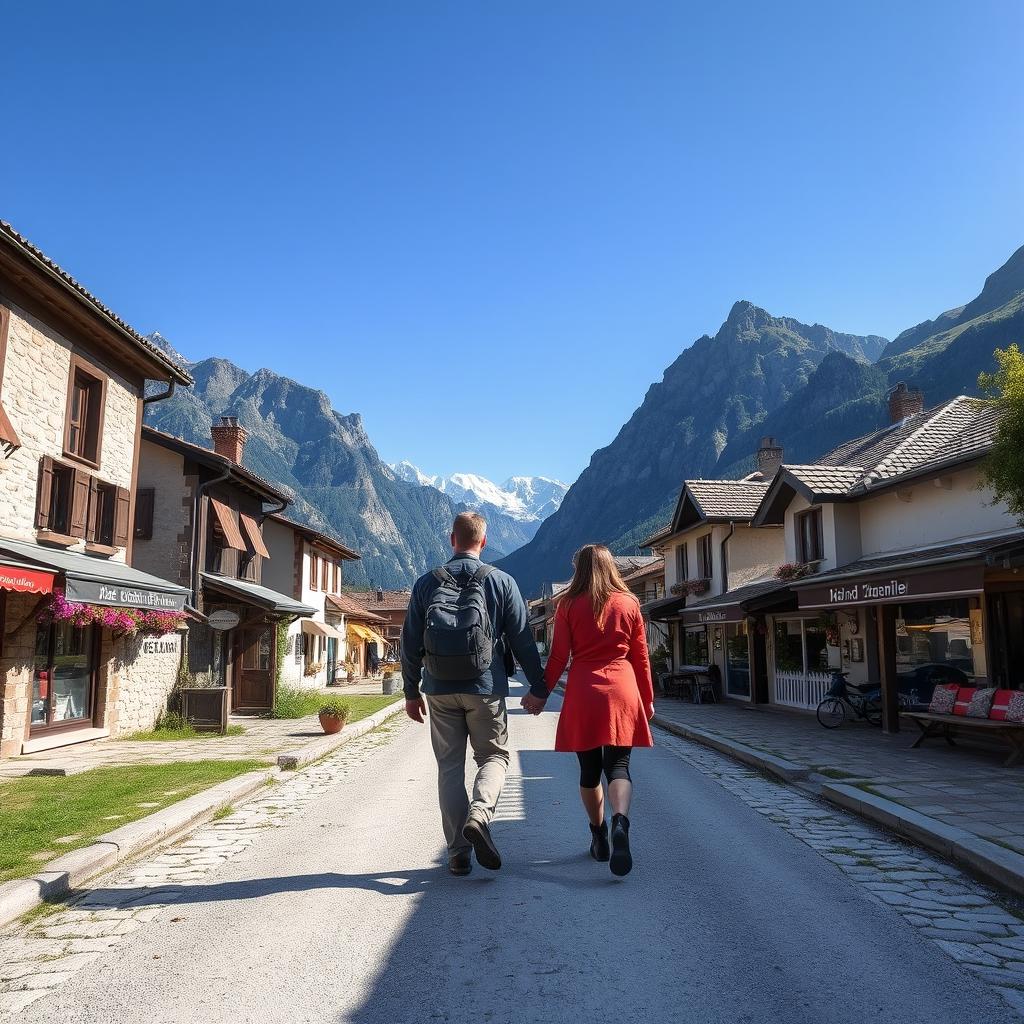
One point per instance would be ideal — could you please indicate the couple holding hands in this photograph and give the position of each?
(465, 619)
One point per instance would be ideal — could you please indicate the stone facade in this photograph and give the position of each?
(35, 388)
(144, 671)
(16, 672)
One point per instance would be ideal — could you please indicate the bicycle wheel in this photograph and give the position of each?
(873, 710)
(831, 712)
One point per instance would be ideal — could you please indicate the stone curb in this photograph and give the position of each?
(788, 771)
(993, 863)
(325, 745)
(988, 861)
(60, 876)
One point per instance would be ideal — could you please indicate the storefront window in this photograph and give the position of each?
(737, 660)
(62, 678)
(817, 651)
(933, 645)
(695, 646)
(800, 645)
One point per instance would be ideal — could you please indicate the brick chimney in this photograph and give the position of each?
(904, 402)
(229, 438)
(769, 457)
(380, 596)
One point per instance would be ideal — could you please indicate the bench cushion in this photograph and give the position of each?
(1008, 706)
(981, 702)
(964, 697)
(943, 699)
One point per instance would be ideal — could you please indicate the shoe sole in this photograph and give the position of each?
(621, 859)
(487, 855)
(460, 872)
(600, 857)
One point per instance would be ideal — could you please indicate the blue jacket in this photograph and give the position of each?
(509, 626)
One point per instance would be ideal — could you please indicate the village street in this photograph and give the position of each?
(323, 900)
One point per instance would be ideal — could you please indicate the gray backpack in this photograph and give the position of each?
(458, 640)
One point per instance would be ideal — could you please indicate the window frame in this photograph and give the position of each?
(91, 420)
(145, 510)
(682, 563)
(314, 570)
(50, 726)
(705, 565)
(800, 520)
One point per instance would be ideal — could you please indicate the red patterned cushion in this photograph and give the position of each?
(1001, 704)
(963, 700)
(943, 699)
(981, 702)
(1015, 712)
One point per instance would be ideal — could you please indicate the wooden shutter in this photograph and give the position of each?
(122, 516)
(45, 498)
(314, 570)
(252, 531)
(80, 486)
(95, 512)
(145, 500)
(229, 527)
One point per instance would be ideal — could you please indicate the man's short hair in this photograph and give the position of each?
(470, 528)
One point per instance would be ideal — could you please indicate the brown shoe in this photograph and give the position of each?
(460, 864)
(483, 845)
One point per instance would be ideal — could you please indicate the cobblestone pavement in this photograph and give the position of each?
(54, 945)
(975, 926)
(966, 787)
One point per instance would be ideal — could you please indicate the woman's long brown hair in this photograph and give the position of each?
(597, 576)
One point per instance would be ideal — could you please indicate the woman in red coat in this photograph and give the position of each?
(609, 697)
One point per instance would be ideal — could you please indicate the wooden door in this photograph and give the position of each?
(254, 685)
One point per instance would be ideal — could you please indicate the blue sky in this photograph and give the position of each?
(509, 218)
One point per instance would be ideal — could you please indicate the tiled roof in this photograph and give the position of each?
(629, 564)
(759, 588)
(956, 431)
(654, 538)
(317, 536)
(388, 601)
(643, 571)
(38, 256)
(344, 604)
(726, 499)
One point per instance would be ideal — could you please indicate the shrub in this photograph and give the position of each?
(335, 708)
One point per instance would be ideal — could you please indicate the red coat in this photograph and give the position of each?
(610, 688)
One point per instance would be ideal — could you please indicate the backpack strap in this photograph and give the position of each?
(482, 573)
(445, 578)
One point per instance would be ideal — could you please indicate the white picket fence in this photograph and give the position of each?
(801, 689)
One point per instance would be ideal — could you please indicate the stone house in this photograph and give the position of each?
(78, 656)
(201, 518)
(310, 565)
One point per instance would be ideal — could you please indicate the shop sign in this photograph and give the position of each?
(877, 588)
(732, 613)
(223, 619)
(25, 581)
(163, 645)
(119, 595)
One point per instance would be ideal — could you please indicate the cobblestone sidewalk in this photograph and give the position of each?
(52, 946)
(966, 786)
(975, 926)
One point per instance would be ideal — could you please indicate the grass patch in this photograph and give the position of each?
(293, 703)
(224, 812)
(38, 811)
(868, 788)
(171, 726)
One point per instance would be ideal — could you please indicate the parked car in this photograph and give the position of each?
(924, 678)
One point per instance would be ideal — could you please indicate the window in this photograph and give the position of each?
(83, 421)
(215, 548)
(682, 566)
(103, 505)
(314, 573)
(63, 674)
(737, 660)
(337, 577)
(809, 546)
(695, 646)
(704, 568)
(325, 568)
(800, 645)
(62, 503)
(145, 502)
(300, 647)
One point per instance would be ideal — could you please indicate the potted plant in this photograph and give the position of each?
(333, 715)
(388, 684)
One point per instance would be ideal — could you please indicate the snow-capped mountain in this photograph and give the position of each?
(526, 498)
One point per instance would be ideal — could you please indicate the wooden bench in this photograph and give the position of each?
(932, 726)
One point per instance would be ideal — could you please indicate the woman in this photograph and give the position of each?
(609, 697)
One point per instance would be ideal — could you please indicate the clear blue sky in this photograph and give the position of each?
(400, 202)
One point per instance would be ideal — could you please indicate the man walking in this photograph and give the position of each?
(463, 619)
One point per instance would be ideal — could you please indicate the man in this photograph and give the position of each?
(463, 619)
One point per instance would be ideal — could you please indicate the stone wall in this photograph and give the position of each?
(166, 554)
(144, 671)
(16, 672)
(35, 388)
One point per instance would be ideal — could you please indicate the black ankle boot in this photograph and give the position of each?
(621, 858)
(599, 848)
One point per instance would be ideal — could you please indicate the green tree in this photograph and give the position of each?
(1003, 470)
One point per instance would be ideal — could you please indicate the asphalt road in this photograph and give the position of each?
(345, 914)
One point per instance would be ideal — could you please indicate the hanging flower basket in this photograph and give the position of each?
(122, 622)
(794, 571)
(691, 587)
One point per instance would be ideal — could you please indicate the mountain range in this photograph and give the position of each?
(806, 385)
(524, 499)
(328, 463)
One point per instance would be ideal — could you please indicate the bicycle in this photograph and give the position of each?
(844, 699)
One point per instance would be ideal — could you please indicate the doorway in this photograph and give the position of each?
(254, 676)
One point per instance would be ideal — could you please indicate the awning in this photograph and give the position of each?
(92, 580)
(226, 518)
(735, 605)
(253, 593)
(359, 632)
(665, 609)
(25, 578)
(320, 629)
(252, 531)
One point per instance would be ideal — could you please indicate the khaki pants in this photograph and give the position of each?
(483, 721)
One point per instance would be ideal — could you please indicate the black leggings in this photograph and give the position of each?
(614, 761)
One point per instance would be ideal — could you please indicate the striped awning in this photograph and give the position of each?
(357, 631)
(320, 629)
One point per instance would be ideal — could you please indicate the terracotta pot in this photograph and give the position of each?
(330, 724)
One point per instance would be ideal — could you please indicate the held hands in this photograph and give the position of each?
(534, 705)
(416, 709)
